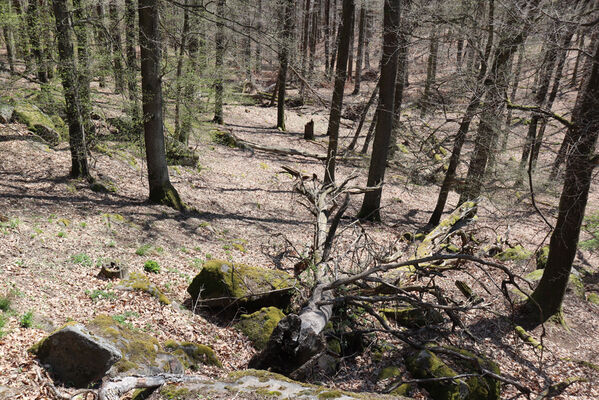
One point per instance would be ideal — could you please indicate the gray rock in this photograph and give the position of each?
(6, 112)
(76, 356)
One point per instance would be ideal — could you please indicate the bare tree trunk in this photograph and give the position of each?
(82, 70)
(9, 39)
(494, 100)
(161, 189)
(370, 209)
(313, 38)
(515, 83)
(102, 40)
(68, 74)
(369, 134)
(360, 56)
(305, 38)
(460, 138)
(337, 100)
(258, 18)
(402, 73)
(179, 71)
(115, 38)
(460, 49)
(218, 62)
(371, 99)
(284, 62)
(431, 73)
(547, 298)
(33, 27)
(350, 60)
(247, 47)
(327, 39)
(580, 45)
(130, 43)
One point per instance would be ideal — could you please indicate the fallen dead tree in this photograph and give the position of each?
(297, 343)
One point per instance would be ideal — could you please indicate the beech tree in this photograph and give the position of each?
(581, 160)
(382, 138)
(161, 189)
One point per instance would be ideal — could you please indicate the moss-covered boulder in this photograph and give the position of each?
(80, 355)
(542, 256)
(37, 121)
(258, 326)
(411, 317)
(141, 282)
(424, 364)
(223, 283)
(516, 253)
(192, 355)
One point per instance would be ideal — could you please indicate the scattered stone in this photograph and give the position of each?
(192, 355)
(259, 326)
(81, 355)
(224, 283)
(6, 113)
(411, 317)
(139, 281)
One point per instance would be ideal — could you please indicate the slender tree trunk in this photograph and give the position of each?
(337, 100)
(218, 62)
(402, 72)
(284, 62)
(102, 39)
(179, 72)
(459, 52)
(460, 138)
(34, 26)
(247, 47)
(161, 189)
(258, 18)
(68, 74)
(544, 81)
(431, 73)
(9, 39)
(548, 296)
(83, 74)
(190, 77)
(360, 56)
(115, 38)
(370, 133)
(515, 83)
(368, 38)
(327, 39)
(305, 38)
(313, 38)
(580, 45)
(371, 99)
(494, 100)
(370, 209)
(130, 42)
(350, 59)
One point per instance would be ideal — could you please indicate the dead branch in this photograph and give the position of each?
(567, 123)
(114, 388)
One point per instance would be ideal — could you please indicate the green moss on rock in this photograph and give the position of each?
(424, 364)
(251, 287)
(36, 121)
(192, 355)
(593, 298)
(139, 281)
(389, 372)
(411, 317)
(258, 326)
(516, 253)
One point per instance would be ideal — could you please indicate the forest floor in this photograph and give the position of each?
(57, 231)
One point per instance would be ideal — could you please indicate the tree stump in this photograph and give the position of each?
(309, 130)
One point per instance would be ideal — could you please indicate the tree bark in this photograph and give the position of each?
(9, 39)
(431, 73)
(371, 99)
(460, 138)
(494, 100)
(258, 18)
(284, 63)
(178, 74)
(83, 73)
(117, 51)
(33, 28)
(218, 62)
(337, 100)
(370, 209)
(130, 43)
(327, 39)
(161, 189)
(360, 56)
(514, 91)
(68, 73)
(547, 298)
